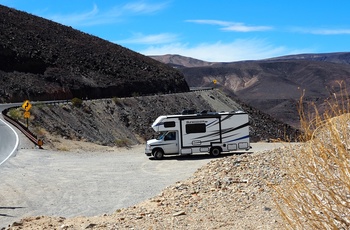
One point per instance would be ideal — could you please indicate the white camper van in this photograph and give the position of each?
(199, 133)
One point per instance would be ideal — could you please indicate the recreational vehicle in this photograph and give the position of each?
(205, 132)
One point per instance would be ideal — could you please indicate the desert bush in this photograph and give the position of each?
(15, 113)
(122, 142)
(39, 131)
(77, 102)
(135, 94)
(116, 101)
(316, 193)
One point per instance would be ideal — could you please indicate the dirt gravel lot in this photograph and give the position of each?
(88, 180)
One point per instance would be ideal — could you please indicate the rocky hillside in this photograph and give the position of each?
(43, 60)
(275, 85)
(127, 121)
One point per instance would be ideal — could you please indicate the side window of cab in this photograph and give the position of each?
(171, 136)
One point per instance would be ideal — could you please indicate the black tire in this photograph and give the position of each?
(158, 154)
(215, 151)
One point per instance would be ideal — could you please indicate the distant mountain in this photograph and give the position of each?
(341, 57)
(43, 60)
(180, 61)
(275, 85)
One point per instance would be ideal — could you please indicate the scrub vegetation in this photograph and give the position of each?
(15, 113)
(317, 191)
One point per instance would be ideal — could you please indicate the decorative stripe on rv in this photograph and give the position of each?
(156, 145)
(224, 131)
(239, 138)
(160, 123)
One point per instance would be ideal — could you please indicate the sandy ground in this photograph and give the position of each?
(87, 180)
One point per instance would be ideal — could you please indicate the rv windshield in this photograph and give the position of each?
(161, 135)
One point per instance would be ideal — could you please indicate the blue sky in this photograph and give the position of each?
(219, 31)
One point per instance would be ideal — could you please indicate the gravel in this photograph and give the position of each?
(103, 189)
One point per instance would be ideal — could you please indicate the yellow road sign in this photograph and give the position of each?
(26, 114)
(26, 105)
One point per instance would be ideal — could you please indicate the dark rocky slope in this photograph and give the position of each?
(43, 60)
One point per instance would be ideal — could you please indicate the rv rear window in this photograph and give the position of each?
(195, 128)
(169, 124)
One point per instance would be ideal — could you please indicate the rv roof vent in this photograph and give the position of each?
(205, 112)
(188, 111)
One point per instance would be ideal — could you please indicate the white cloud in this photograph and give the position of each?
(97, 17)
(232, 26)
(92, 17)
(321, 31)
(210, 22)
(330, 31)
(142, 7)
(239, 27)
(251, 49)
(149, 39)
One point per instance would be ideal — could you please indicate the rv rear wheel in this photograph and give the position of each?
(215, 151)
(158, 154)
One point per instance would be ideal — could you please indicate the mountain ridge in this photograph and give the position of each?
(275, 85)
(177, 60)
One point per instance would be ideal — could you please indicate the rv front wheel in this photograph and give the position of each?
(158, 154)
(215, 151)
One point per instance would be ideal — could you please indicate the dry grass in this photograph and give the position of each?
(317, 191)
(16, 113)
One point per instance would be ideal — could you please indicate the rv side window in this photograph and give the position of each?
(169, 124)
(171, 136)
(195, 128)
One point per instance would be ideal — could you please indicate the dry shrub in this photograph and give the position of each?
(122, 142)
(77, 102)
(15, 113)
(316, 193)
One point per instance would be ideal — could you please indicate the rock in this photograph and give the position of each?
(90, 226)
(179, 213)
(17, 224)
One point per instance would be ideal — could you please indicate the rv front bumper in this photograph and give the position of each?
(148, 150)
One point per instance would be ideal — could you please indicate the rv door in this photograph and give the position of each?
(171, 143)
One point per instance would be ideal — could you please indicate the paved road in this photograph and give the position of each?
(42, 182)
(8, 138)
